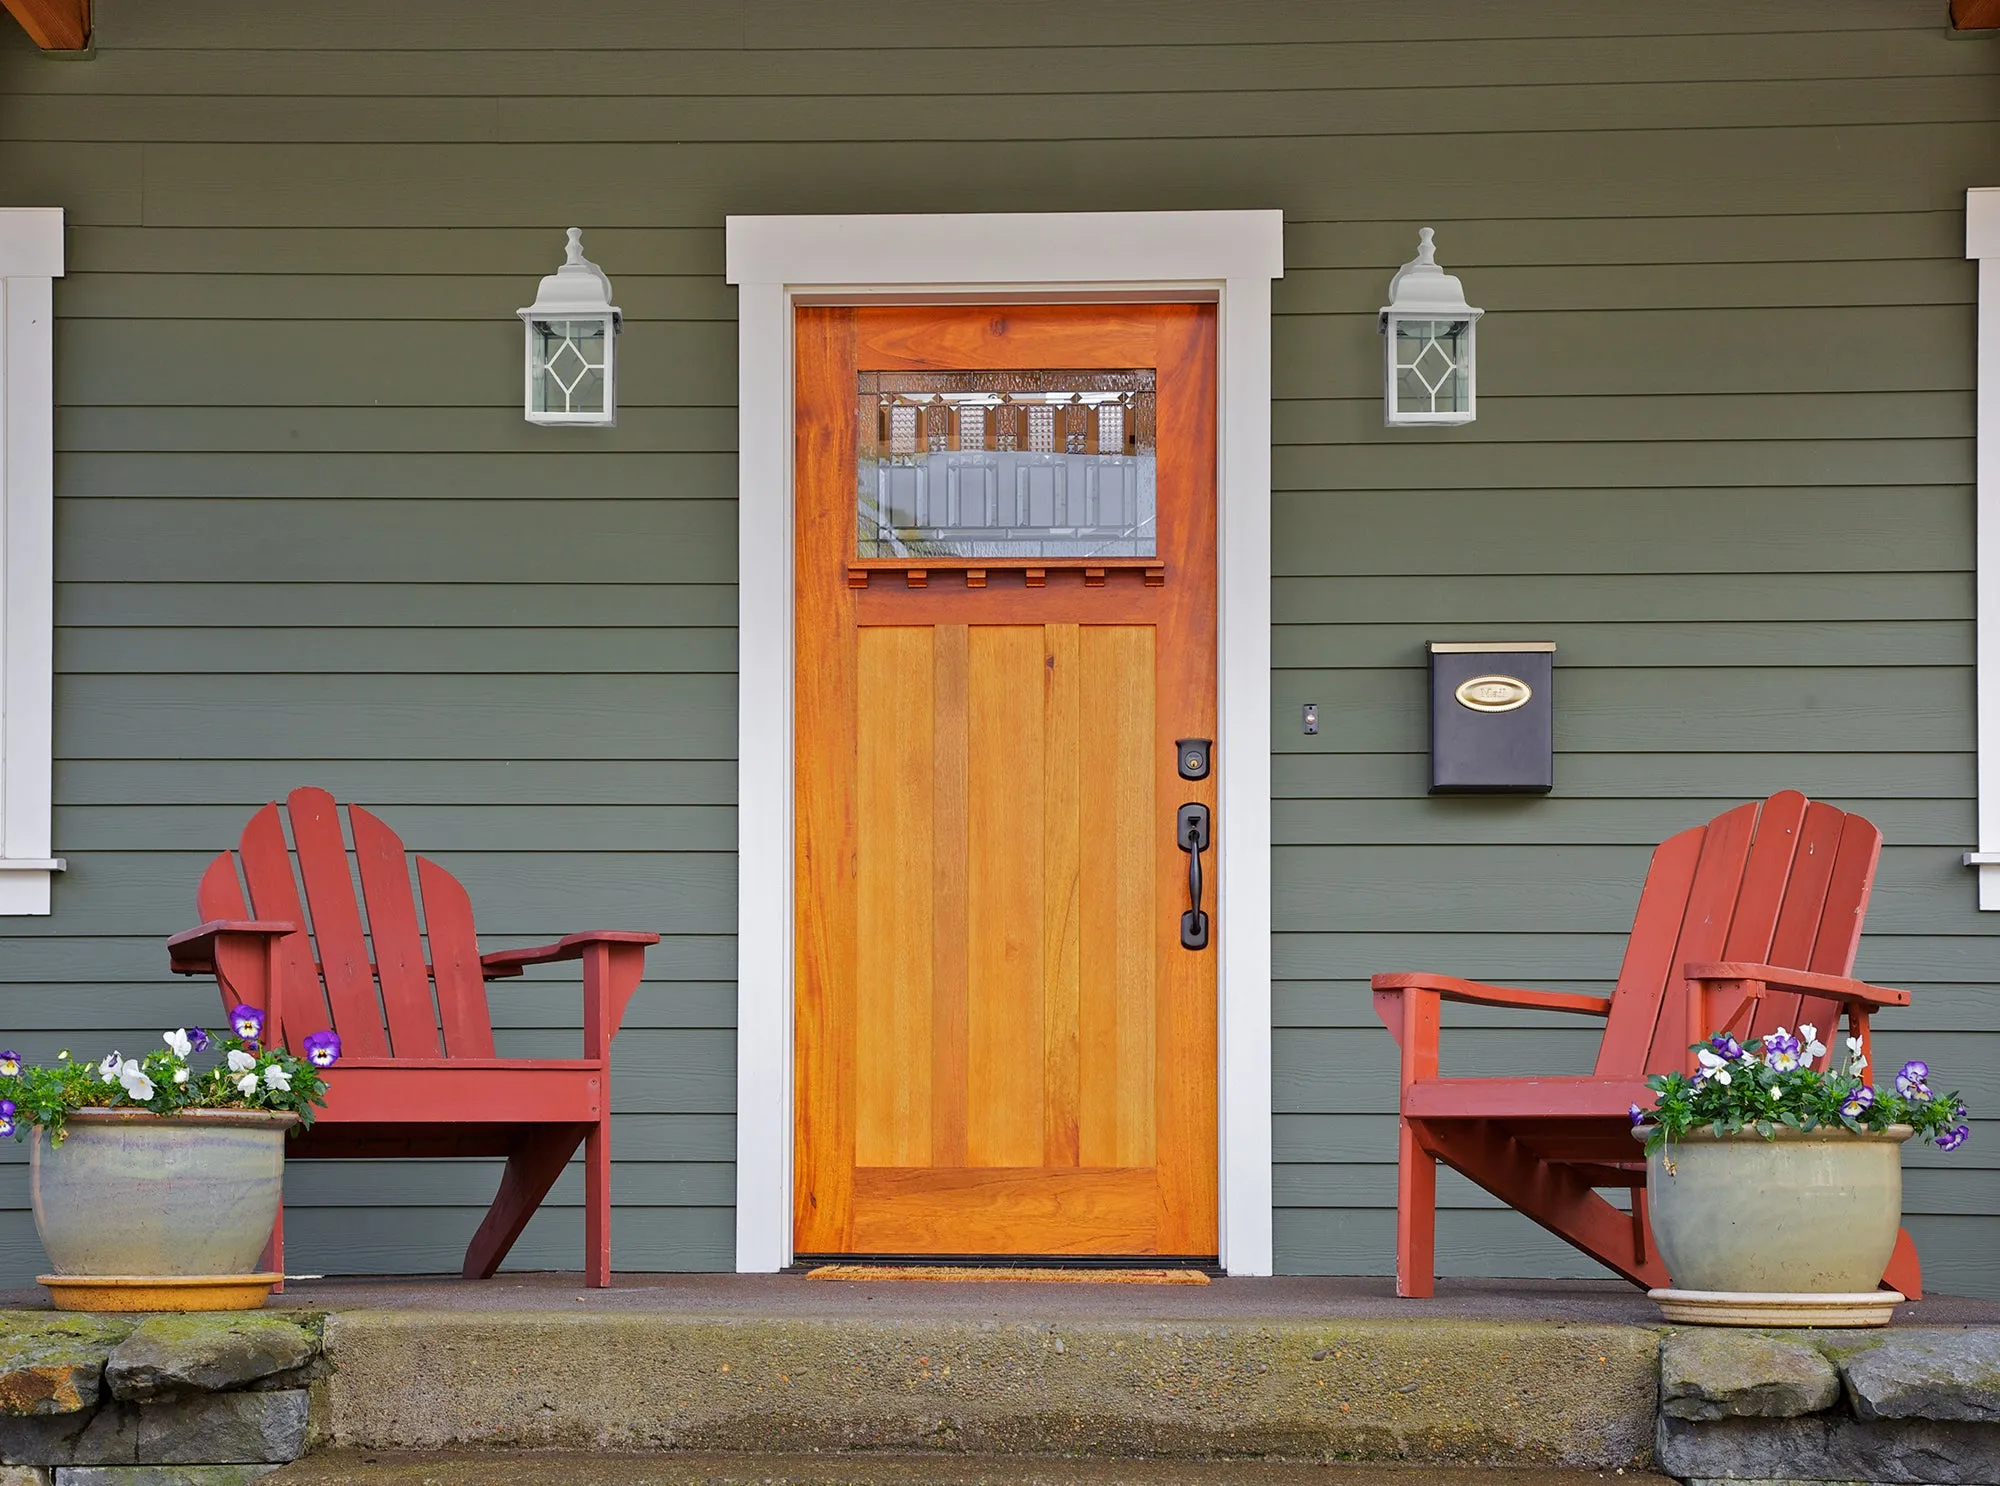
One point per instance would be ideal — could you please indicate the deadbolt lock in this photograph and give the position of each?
(1194, 757)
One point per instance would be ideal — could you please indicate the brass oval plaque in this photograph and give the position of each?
(1494, 693)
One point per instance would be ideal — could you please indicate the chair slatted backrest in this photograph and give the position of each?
(1784, 882)
(369, 978)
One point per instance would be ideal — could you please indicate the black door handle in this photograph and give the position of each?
(1191, 835)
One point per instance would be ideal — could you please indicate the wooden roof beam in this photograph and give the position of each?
(1975, 15)
(53, 25)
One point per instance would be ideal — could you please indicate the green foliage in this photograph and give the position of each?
(1772, 1083)
(244, 1075)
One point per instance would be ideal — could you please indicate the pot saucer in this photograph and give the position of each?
(144, 1292)
(1776, 1308)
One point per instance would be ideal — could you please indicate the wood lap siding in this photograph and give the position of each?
(1724, 459)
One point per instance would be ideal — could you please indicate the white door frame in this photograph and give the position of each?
(1229, 257)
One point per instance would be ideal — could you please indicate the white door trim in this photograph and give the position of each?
(1230, 257)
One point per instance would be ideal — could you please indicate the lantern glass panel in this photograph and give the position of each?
(1431, 366)
(568, 371)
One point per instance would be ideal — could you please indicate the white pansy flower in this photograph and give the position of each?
(180, 1075)
(1713, 1065)
(1809, 1035)
(240, 1061)
(108, 1069)
(178, 1041)
(1856, 1058)
(247, 1083)
(276, 1078)
(134, 1079)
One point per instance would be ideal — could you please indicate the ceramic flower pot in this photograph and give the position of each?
(132, 1195)
(1811, 1216)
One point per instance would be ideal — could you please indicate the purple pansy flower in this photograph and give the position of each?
(1910, 1081)
(247, 1022)
(10, 1064)
(6, 1109)
(1857, 1103)
(1781, 1050)
(1638, 1115)
(323, 1049)
(1955, 1137)
(6, 1127)
(199, 1038)
(1729, 1048)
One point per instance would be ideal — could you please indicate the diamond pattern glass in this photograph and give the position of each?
(569, 366)
(1007, 464)
(1430, 366)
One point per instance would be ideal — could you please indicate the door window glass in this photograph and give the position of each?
(1006, 464)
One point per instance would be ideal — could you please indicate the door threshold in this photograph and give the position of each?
(1200, 1263)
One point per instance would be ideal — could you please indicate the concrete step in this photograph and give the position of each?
(371, 1468)
(1020, 1382)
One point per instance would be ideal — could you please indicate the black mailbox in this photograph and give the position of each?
(1492, 717)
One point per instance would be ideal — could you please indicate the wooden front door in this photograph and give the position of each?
(1005, 1032)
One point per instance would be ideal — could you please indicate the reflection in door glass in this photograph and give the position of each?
(1006, 464)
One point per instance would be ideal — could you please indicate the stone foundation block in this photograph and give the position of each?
(1724, 1374)
(1831, 1447)
(159, 1475)
(55, 1365)
(23, 1475)
(174, 1356)
(1927, 1375)
(234, 1427)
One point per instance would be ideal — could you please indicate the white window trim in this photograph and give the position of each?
(31, 260)
(1982, 243)
(1229, 257)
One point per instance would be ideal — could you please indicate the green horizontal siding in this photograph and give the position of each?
(1724, 459)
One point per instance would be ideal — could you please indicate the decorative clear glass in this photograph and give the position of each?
(566, 373)
(1431, 366)
(1016, 464)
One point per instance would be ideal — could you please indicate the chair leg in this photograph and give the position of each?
(532, 1168)
(597, 1207)
(273, 1259)
(1906, 1271)
(1416, 1216)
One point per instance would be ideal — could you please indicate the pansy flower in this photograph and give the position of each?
(10, 1064)
(1809, 1035)
(1910, 1080)
(1726, 1047)
(133, 1078)
(323, 1049)
(247, 1022)
(276, 1078)
(1638, 1115)
(1955, 1137)
(247, 1084)
(240, 1061)
(1856, 1058)
(1712, 1066)
(178, 1042)
(1781, 1051)
(199, 1038)
(1857, 1103)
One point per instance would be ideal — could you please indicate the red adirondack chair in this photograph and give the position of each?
(1748, 923)
(417, 1075)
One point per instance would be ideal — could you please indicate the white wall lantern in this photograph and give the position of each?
(573, 345)
(1427, 329)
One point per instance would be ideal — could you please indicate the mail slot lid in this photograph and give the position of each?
(1492, 717)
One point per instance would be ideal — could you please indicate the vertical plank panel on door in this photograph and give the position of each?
(950, 662)
(1118, 897)
(823, 963)
(1185, 1064)
(893, 869)
(1004, 1072)
(1062, 869)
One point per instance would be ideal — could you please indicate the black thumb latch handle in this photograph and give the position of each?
(1191, 835)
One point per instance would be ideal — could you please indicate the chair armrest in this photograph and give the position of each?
(502, 963)
(192, 951)
(1778, 978)
(1451, 988)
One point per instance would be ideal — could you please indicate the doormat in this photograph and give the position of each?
(972, 1274)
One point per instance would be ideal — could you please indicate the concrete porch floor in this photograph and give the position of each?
(791, 1296)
